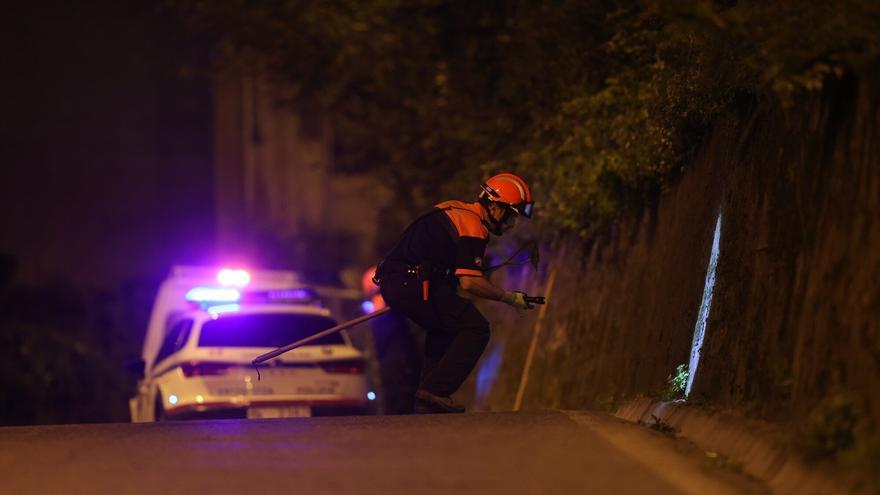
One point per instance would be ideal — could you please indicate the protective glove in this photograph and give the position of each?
(516, 299)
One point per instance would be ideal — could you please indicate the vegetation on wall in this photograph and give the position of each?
(676, 384)
(598, 103)
(838, 428)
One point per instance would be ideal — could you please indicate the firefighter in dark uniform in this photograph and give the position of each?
(437, 252)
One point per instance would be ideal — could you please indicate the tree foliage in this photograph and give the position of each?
(599, 104)
(61, 351)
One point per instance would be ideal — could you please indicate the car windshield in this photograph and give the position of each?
(266, 330)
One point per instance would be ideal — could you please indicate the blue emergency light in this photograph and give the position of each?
(291, 294)
(216, 311)
(213, 295)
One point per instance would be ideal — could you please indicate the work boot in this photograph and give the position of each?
(428, 403)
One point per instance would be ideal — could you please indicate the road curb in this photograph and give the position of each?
(758, 448)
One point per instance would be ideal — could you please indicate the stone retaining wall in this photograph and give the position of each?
(795, 316)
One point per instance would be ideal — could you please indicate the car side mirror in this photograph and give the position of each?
(136, 367)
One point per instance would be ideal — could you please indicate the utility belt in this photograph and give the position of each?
(424, 272)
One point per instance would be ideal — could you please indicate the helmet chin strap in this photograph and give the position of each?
(497, 227)
(494, 226)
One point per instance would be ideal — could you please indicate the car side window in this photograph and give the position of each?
(175, 340)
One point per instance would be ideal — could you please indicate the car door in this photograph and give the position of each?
(175, 339)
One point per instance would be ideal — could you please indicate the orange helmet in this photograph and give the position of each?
(511, 191)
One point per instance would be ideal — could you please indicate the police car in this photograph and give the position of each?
(206, 327)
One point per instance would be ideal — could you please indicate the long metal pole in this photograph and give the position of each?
(524, 379)
(342, 326)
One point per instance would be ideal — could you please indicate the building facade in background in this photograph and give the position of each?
(278, 201)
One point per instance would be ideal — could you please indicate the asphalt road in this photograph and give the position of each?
(483, 453)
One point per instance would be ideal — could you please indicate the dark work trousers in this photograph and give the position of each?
(456, 331)
(399, 351)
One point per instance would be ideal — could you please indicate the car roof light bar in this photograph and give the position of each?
(213, 295)
(300, 294)
(216, 311)
(228, 277)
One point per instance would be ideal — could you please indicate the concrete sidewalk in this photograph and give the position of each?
(759, 450)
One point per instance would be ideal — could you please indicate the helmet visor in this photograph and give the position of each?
(525, 208)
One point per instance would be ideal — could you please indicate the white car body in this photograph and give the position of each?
(199, 365)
